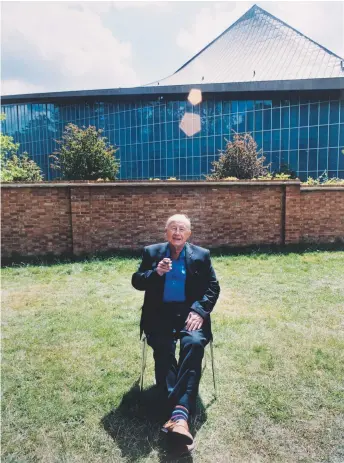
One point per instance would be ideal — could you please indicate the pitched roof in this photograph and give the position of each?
(258, 47)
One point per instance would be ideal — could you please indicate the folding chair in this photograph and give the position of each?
(144, 361)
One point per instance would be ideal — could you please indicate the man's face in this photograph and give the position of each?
(177, 234)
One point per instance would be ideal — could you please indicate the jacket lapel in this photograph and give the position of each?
(189, 270)
(188, 259)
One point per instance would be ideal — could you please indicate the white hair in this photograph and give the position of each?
(179, 218)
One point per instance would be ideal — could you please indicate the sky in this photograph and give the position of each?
(61, 46)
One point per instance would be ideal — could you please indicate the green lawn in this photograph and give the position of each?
(71, 363)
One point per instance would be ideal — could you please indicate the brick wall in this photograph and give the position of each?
(85, 218)
(322, 214)
(35, 221)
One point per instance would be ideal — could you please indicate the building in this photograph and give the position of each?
(259, 76)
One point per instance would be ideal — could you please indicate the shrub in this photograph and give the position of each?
(323, 179)
(240, 159)
(14, 167)
(85, 155)
(286, 171)
(20, 169)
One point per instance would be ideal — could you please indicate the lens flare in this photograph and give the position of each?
(190, 124)
(195, 96)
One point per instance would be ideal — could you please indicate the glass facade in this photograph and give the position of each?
(305, 134)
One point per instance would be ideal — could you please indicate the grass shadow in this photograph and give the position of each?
(17, 260)
(135, 425)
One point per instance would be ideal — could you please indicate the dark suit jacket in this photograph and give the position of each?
(201, 287)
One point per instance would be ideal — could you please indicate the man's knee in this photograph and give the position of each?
(162, 347)
(195, 340)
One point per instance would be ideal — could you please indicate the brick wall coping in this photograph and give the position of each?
(322, 188)
(152, 184)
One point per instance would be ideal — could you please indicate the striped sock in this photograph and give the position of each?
(180, 413)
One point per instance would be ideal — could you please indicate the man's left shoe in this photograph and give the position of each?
(178, 431)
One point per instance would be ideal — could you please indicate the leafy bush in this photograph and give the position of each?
(20, 169)
(14, 167)
(240, 159)
(285, 172)
(323, 179)
(85, 155)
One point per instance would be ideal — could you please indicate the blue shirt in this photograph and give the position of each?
(174, 290)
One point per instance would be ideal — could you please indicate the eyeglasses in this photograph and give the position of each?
(175, 229)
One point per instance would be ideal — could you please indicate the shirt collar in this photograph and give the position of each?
(181, 255)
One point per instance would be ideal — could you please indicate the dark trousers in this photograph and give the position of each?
(179, 380)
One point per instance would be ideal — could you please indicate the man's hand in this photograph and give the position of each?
(193, 322)
(164, 266)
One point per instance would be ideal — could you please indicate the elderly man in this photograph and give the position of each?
(181, 290)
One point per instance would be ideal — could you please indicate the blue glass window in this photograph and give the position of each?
(241, 106)
(293, 160)
(303, 141)
(211, 146)
(219, 144)
(204, 145)
(258, 139)
(234, 123)
(182, 148)
(341, 159)
(249, 121)
(341, 135)
(141, 131)
(234, 106)
(294, 138)
(267, 119)
(258, 120)
(183, 166)
(284, 159)
(189, 164)
(218, 108)
(322, 159)
(334, 112)
(157, 168)
(323, 136)
(276, 140)
(196, 148)
(304, 114)
(218, 124)
(259, 104)
(211, 126)
(333, 129)
(170, 165)
(204, 164)
(284, 139)
(210, 108)
(294, 116)
(176, 130)
(303, 155)
(313, 137)
(226, 107)
(266, 141)
(226, 124)
(241, 122)
(196, 166)
(275, 161)
(314, 114)
(324, 110)
(145, 169)
(312, 159)
(276, 102)
(249, 105)
(285, 117)
(276, 118)
(333, 158)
